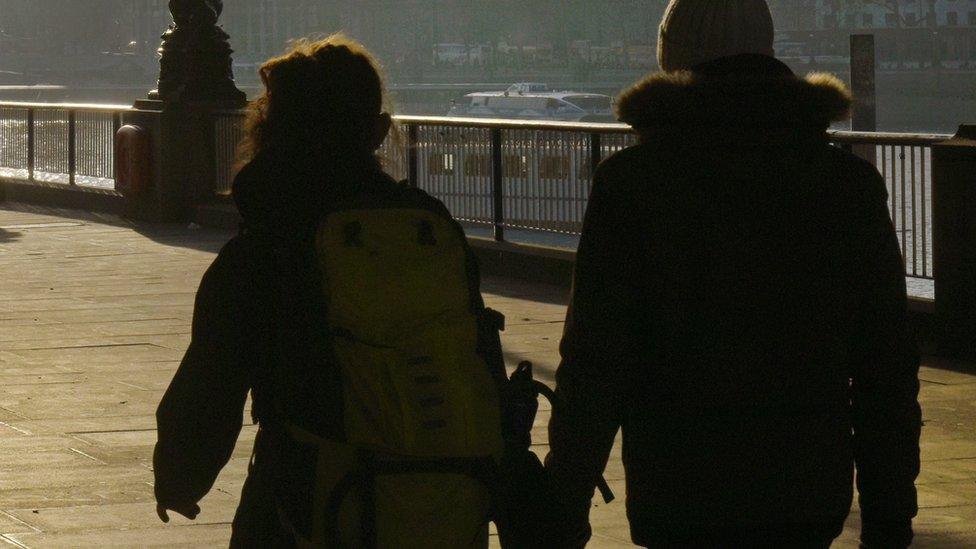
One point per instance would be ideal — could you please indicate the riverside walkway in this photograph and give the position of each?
(95, 315)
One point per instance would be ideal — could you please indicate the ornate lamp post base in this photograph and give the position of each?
(195, 80)
(195, 63)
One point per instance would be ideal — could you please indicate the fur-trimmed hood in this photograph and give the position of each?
(742, 92)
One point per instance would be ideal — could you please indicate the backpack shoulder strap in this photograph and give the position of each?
(295, 307)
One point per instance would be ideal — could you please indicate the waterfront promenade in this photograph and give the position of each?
(94, 318)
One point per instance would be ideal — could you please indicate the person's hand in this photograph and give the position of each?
(570, 511)
(189, 511)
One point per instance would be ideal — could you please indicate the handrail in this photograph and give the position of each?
(835, 136)
(496, 123)
(91, 107)
(886, 138)
(514, 124)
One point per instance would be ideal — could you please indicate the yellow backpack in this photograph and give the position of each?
(421, 414)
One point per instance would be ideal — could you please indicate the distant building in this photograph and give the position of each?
(794, 15)
(60, 27)
(145, 22)
(408, 31)
(66, 41)
(888, 14)
(917, 33)
(413, 37)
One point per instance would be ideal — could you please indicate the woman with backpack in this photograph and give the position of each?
(349, 307)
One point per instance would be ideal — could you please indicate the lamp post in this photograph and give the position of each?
(177, 124)
(195, 57)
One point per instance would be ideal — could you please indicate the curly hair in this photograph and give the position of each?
(321, 94)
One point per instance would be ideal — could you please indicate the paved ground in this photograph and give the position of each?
(94, 317)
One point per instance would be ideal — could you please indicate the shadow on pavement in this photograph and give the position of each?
(183, 235)
(9, 236)
(525, 290)
(958, 366)
(940, 540)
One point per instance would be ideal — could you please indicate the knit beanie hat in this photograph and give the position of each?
(697, 31)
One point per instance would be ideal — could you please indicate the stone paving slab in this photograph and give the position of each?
(95, 315)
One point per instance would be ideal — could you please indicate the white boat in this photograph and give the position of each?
(532, 101)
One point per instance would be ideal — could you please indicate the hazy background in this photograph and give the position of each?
(437, 50)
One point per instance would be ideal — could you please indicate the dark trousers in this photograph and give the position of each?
(257, 524)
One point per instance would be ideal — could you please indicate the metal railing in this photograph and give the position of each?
(508, 174)
(59, 144)
(536, 176)
(228, 134)
(905, 163)
(496, 173)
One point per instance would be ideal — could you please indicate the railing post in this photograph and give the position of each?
(413, 163)
(954, 242)
(116, 126)
(864, 111)
(72, 148)
(31, 143)
(596, 153)
(497, 186)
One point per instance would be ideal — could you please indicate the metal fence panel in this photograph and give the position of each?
(454, 165)
(59, 143)
(228, 134)
(393, 153)
(51, 158)
(14, 142)
(95, 138)
(546, 179)
(906, 167)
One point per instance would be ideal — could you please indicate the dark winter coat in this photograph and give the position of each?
(258, 309)
(739, 310)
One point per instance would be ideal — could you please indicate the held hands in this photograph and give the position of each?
(189, 511)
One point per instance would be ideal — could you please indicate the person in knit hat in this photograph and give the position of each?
(693, 32)
(739, 311)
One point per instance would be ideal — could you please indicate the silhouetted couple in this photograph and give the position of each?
(739, 311)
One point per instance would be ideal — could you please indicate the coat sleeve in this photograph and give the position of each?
(201, 414)
(599, 352)
(884, 386)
